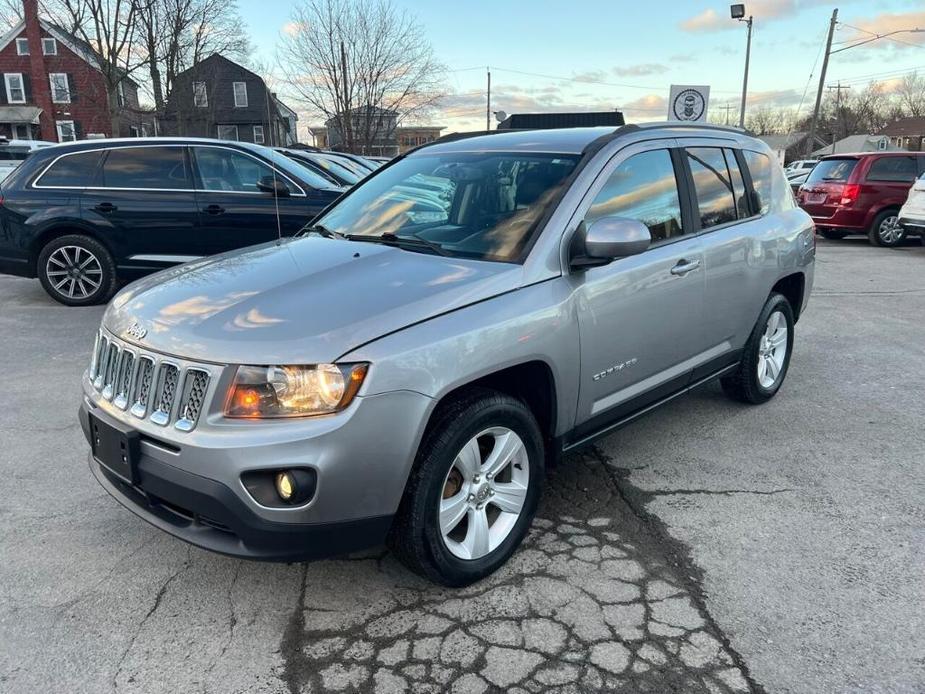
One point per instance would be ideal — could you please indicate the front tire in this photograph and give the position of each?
(474, 489)
(885, 230)
(766, 356)
(77, 270)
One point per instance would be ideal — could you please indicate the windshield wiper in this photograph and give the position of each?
(321, 230)
(408, 243)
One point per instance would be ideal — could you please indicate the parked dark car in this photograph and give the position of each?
(861, 194)
(85, 217)
(325, 165)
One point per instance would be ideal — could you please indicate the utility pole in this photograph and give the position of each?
(727, 108)
(348, 136)
(837, 88)
(748, 52)
(825, 65)
(488, 102)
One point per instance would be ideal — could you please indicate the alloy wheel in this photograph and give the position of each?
(484, 493)
(772, 350)
(890, 231)
(74, 272)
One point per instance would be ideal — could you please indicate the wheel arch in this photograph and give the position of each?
(54, 231)
(531, 381)
(793, 288)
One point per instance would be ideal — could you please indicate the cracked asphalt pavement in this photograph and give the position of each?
(708, 547)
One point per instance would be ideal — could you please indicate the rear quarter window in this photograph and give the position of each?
(892, 169)
(772, 193)
(71, 170)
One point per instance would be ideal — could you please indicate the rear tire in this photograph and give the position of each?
(77, 270)
(833, 234)
(465, 512)
(885, 230)
(766, 356)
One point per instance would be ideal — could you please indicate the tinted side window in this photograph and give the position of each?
(146, 167)
(759, 166)
(738, 184)
(712, 183)
(72, 170)
(897, 169)
(644, 188)
(228, 170)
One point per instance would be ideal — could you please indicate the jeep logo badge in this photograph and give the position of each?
(137, 331)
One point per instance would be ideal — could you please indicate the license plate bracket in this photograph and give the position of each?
(115, 448)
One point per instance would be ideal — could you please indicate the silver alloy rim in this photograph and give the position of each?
(772, 350)
(890, 231)
(484, 493)
(74, 272)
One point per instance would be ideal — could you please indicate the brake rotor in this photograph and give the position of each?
(454, 482)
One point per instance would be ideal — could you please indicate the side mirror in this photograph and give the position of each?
(274, 185)
(607, 239)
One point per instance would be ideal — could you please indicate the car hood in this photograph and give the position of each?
(307, 300)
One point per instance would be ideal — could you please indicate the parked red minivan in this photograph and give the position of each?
(861, 194)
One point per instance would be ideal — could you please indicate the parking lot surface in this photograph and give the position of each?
(709, 547)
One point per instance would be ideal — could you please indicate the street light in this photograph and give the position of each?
(737, 12)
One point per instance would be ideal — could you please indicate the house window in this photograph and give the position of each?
(133, 131)
(15, 91)
(200, 95)
(22, 46)
(21, 131)
(60, 89)
(228, 132)
(49, 46)
(145, 130)
(258, 134)
(120, 89)
(66, 131)
(240, 94)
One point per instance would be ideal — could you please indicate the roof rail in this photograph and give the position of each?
(696, 125)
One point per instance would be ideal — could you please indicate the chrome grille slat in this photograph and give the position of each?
(142, 390)
(149, 385)
(164, 395)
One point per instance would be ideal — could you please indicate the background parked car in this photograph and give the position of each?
(14, 152)
(800, 167)
(324, 165)
(912, 213)
(86, 216)
(861, 194)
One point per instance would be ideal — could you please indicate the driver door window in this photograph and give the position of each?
(229, 171)
(642, 188)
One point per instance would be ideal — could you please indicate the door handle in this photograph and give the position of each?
(105, 207)
(685, 266)
(214, 209)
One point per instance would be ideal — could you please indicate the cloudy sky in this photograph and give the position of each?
(552, 55)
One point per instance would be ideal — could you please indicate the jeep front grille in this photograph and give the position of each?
(148, 385)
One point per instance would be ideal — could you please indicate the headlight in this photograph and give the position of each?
(293, 391)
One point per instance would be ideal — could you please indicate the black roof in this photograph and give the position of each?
(588, 119)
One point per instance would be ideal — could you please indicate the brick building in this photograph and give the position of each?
(51, 87)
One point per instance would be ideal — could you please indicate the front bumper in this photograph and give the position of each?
(190, 485)
(912, 220)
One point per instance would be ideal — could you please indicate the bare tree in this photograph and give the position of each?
(911, 94)
(177, 34)
(343, 59)
(109, 30)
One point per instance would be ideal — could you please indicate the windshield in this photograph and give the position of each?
(832, 171)
(334, 168)
(481, 205)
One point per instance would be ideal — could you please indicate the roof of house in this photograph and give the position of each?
(215, 58)
(76, 44)
(858, 143)
(778, 142)
(913, 126)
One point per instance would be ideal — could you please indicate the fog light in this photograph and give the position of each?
(285, 486)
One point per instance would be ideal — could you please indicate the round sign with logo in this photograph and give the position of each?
(688, 104)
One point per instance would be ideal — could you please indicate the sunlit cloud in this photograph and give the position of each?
(884, 24)
(711, 20)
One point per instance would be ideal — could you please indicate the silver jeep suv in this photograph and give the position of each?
(406, 368)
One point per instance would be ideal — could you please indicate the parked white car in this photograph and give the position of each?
(912, 213)
(800, 167)
(13, 152)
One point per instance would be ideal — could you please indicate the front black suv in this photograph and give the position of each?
(87, 216)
